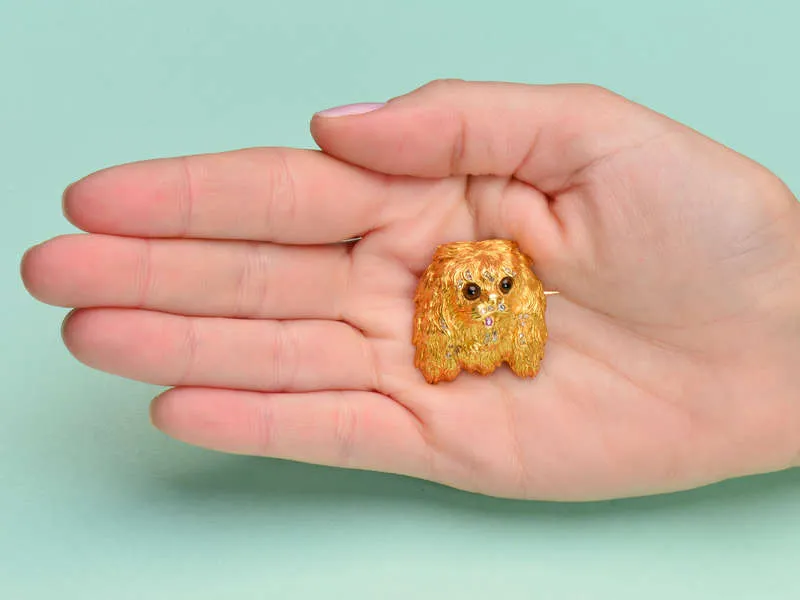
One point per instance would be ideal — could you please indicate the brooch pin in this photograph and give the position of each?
(479, 305)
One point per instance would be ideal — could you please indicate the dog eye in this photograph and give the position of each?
(506, 283)
(471, 291)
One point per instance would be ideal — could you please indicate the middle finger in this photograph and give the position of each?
(192, 277)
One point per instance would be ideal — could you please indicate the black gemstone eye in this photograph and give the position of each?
(506, 283)
(471, 291)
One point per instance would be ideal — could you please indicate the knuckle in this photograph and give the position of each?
(444, 85)
(459, 144)
(592, 89)
(264, 429)
(191, 345)
(186, 199)
(346, 419)
(281, 197)
(252, 283)
(595, 94)
(284, 356)
(144, 274)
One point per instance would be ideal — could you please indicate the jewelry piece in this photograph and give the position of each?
(478, 305)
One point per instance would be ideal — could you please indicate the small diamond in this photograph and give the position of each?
(468, 275)
(482, 309)
(488, 276)
(501, 307)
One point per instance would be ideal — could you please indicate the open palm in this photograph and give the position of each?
(673, 344)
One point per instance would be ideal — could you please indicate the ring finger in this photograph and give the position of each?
(261, 355)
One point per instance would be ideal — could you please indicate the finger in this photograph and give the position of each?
(193, 277)
(541, 134)
(261, 355)
(269, 194)
(361, 430)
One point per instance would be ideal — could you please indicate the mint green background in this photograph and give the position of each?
(94, 503)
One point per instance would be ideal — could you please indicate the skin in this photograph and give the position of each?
(673, 344)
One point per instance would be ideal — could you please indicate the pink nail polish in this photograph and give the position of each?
(350, 109)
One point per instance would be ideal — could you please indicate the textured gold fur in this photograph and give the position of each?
(451, 332)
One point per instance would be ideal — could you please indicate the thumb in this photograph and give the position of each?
(541, 134)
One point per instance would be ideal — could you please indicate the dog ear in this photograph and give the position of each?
(531, 333)
(432, 322)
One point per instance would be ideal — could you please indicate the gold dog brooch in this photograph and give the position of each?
(478, 305)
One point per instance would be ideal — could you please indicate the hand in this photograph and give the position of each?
(674, 341)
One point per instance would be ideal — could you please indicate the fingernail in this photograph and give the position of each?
(64, 196)
(350, 109)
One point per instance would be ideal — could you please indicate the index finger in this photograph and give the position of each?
(542, 135)
(269, 194)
